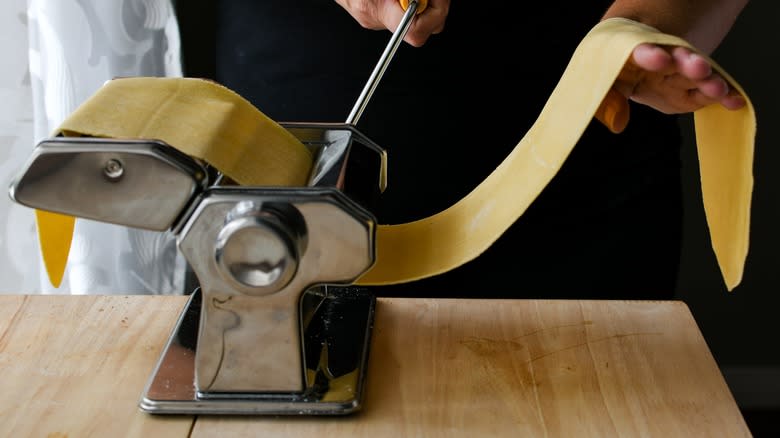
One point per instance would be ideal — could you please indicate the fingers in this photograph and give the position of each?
(676, 94)
(712, 87)
(370, 14)
(691, 65)
(429, 23)
(390, 14)
(652, 58)
(387, 14)
(675, 80)
(733, 101)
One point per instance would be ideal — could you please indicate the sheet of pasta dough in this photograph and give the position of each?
(725, 142)
(439, 243)
(202, 118)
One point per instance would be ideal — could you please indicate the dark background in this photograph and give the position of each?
(740, 327)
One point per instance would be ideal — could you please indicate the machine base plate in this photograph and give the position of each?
(337, 324)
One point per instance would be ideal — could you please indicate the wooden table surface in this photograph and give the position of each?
(76, 366)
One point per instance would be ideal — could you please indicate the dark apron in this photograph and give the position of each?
(609, 224)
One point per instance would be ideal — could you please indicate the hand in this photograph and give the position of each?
(386, 14)
(674, 80)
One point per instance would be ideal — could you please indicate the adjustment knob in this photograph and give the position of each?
(259, 247)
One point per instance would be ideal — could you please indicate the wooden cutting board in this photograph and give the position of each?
(76, 366)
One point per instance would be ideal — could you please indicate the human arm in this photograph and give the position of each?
(675, 80)
(671, 80)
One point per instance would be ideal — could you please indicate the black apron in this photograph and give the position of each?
(608, 225)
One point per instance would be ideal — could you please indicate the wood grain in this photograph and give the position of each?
(76, 365)
(471, 368)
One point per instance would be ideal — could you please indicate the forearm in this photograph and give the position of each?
(703, 23)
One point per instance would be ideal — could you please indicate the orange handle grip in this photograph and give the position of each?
(614, 111)
(421, 5)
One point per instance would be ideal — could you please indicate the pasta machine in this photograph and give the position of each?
(267, 331)
(274, 327)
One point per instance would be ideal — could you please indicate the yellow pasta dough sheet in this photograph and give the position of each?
(207, 121)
